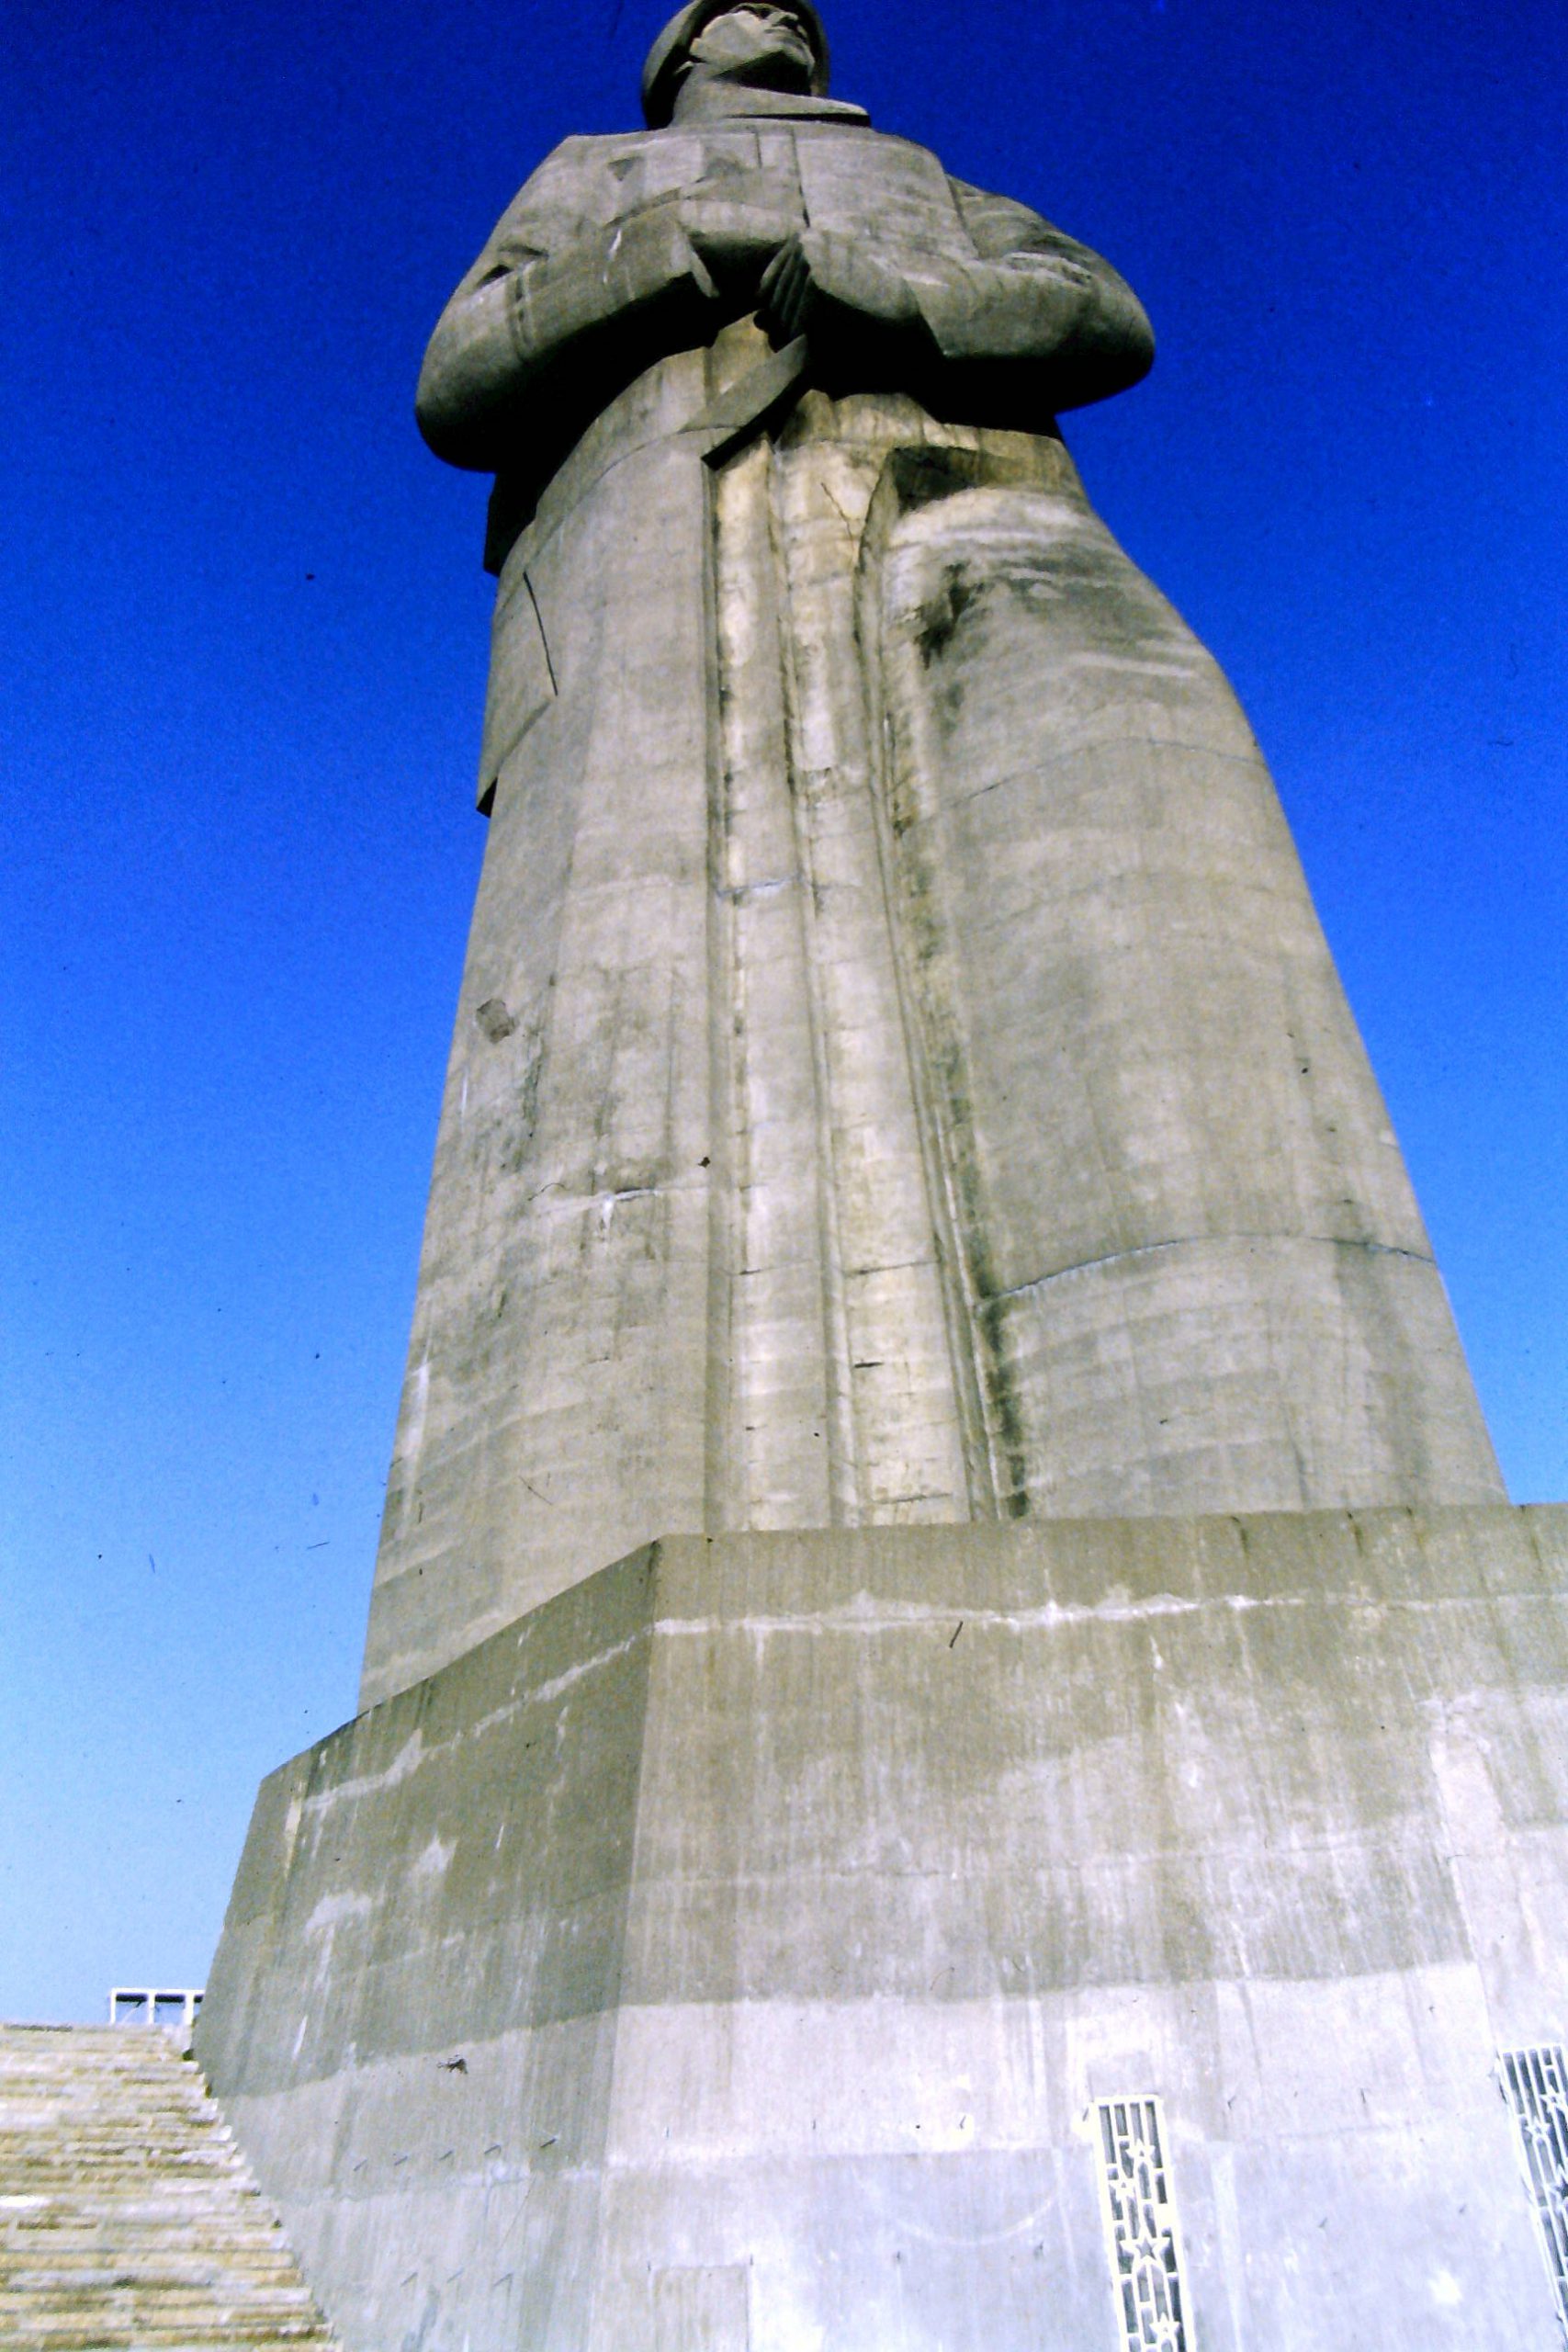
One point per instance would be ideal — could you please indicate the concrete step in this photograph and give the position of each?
(166, 2299)
(132, 2320)
(67, 2234)
(194, 2267)
(128, 2220)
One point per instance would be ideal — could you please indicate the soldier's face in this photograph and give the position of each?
(757, 43)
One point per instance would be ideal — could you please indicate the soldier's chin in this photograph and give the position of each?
(782, 69)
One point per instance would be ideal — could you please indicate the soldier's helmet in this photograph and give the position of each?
(667, 58)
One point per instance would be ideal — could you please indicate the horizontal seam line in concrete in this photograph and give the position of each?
(1326, 1841)
(1048, 1616)
(1056, 1616)
(1253, 759)
(1198, 1241)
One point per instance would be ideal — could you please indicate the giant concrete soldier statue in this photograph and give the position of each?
(900, 1075)
(930, 1772)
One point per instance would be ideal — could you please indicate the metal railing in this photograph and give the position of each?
(155, 2005)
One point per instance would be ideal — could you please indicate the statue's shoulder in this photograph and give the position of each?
(593, 178)
(578, 178)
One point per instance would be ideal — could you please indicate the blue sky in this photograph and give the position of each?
(244, 644)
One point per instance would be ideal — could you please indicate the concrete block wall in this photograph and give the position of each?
(732, 1951)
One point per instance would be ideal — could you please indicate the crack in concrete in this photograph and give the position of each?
(1197, 1241)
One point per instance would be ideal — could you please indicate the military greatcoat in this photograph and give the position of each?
(899, 1074)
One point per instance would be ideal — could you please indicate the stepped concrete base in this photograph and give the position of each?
(730, 1953)
(128, 2221)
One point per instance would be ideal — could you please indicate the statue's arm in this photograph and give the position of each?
(1036, 294)
(1031, 298)
(552, 299)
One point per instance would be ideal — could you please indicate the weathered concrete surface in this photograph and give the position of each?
(900, 1076)
(888, 1089)
(726, 1954)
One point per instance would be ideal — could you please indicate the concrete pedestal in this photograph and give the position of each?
(729, 1956)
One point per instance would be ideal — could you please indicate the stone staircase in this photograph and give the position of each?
(127, 2216)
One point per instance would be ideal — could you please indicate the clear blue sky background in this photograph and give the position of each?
(243, 646)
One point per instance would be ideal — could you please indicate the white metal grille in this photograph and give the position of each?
(1140, 2226)
(1535, 2084)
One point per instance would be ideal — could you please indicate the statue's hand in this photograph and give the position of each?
(645, 253)
(736, 240)
(821, 285)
